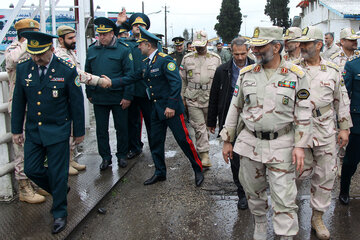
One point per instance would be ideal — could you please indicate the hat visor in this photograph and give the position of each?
(352, 37)
(288, 38)
(142, 40)
(36, 51)
(139, 22)
(104, 30)
(178, 44)
(256, 42)
(304, 39)
(199, 43)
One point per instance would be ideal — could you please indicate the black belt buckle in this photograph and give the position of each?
(265, 135)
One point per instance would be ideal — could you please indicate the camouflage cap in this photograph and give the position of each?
(200, 39)
(62, 30)
(348, 33)
(292, 33)
(26, 23)
(265, 35)
(310, 34)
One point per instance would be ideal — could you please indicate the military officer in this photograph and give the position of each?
(330, 48)
(351, 76)
(348, 40)
(164, 88)
(329, 99)
(141, 105)
(292, 49)
(66, 50)
(13, 54)
(179, 52)
(224, 54)
(269, 117)
(123, 31)
(110, 57)
(50, 89)
(189, 48)
(197, 72)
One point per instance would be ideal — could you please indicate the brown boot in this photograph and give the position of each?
(77, 166)
(27, 193)
(205, 160)
(72, 171)
(318, 225)
(42, 192)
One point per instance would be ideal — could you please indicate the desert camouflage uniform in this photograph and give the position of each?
(329, 98)
(340, 58)
(280, 105)
(13, 54)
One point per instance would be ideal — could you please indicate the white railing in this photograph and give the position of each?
(6, 164)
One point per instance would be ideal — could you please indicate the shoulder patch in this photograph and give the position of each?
(332, 57)
(247, 69)
(25, 60)
(214, 54)
(333, 65)
(354, 57)
(171, 66)
(162, 54)
(297, 70)
(123, 43)
(130, 57)
(77, 81)
(303, 94)
(145, 59)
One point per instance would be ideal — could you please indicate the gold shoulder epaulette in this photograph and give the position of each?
(354, 57)
(25, 60)
(145, 59)
(70, 65)
(162, 54)
(123, 43)
(334, 55)
(297, 70)
(247, 69)
(333, 65)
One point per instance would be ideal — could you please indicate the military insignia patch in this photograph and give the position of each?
(305, 31)
(287, 32)
(130, 56)
(171, 66)
(32, 24)
(303, 94)
(77, 81)
(30, 75)
(353, 31)
(181, 67)
(257, 68)
(256, 33)
(34, 43)
(236, 91)
(343, 72)
(190, 73)
(55, 93)
(285, 100)
(287, 84)
(284, 71)
(57, 79)
(342, 83)
(342, 54)
(323, 67)
(356, 53)
(154, 70)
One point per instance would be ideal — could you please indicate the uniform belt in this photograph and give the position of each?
(270, 135)
(199, 86)
(321, 111)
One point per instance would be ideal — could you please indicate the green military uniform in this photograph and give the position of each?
(178, 56)
(115, 61)
(53, 100)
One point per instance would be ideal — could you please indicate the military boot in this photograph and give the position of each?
(77, 166)
(318, 225)
(72, 171)
(261, 224)
(205, 160)
(27, 193)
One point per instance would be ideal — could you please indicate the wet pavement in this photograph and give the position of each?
(173, 209)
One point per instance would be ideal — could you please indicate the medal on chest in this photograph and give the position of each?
(55, 93)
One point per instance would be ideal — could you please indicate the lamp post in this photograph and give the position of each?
(245, 16)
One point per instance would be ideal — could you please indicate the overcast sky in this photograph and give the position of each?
(190, 14)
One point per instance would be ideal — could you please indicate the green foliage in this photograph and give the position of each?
(229, 20)
(278, 12)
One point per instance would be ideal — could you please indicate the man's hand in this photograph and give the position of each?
(227, 151)
(121, 18)
(78, 140)
(18, 139)
(298, 156)
(212, 129)
(105, 82)
(343, 137)
(125, 103)
(169, 113)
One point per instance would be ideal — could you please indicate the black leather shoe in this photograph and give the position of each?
(122, 162)
(68, 190)
(344, 199)
(242, 203)
(105, 164)
(199, 178)
(59, 225)
(154, 179)
(132, 154)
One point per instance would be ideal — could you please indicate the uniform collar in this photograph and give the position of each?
(152, 55)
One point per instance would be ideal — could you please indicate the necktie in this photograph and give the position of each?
(42, 75)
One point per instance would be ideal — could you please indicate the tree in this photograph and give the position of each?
(278, 12)
(229, 20)
(186, 34)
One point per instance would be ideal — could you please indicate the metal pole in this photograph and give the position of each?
(165, 27)
(143, 7)
(42, 16)
(53, 17)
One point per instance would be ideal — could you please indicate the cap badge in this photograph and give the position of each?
(287, 32)
(34, 43)
(305, 31)
(256, 32)
(32, 24)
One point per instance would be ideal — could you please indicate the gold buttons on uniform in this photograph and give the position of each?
(40, 123)
(39, 113)
(150, 86)
(148, 80)
(152, 94)
(155, 100)
(39, 92)
(38, 103)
